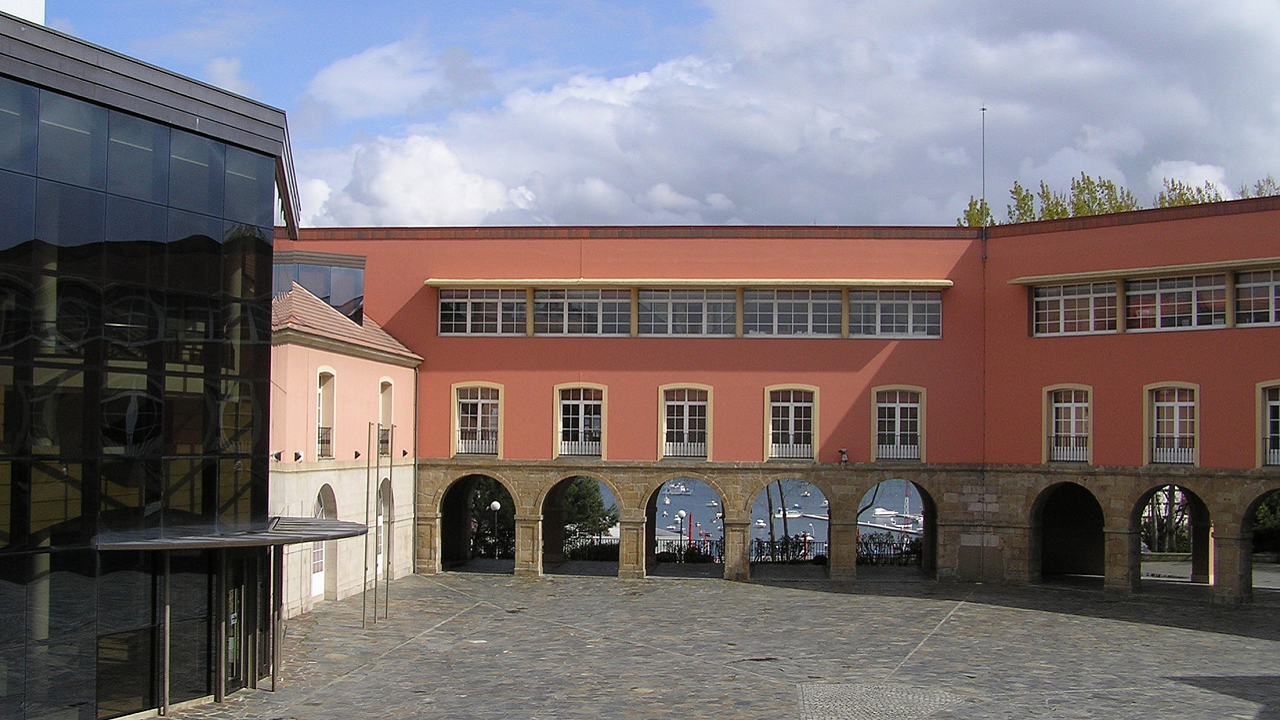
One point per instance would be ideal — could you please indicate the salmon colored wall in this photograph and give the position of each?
(295, 370)
(633, 368)
(1226, 363)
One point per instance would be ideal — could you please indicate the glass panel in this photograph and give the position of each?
(250, 187)
(17, 212)
(18, 126)
(62, 643)
(135, 251)
(13, 633)
(57, 412)
(73, 141)
(73, 219)
(138, 158)
(347, 292)
(126, 668)
(190, 672)
(130, 494)
(234, 494)
(56, 503)
(131, 415)
(194, 253)
(126, 591)
(189, 483)
(196, 173)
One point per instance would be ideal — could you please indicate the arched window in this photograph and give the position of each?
(324, 415)
(385, 418)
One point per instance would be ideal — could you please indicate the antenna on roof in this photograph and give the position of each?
(984, 165)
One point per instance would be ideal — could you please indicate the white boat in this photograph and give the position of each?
(678, 488)
(824, 503)
(806, 493)
(712, 503)
(760, 523)
(790, 513)
(666, 501)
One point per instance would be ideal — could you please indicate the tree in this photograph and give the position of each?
(1266, 187)
(584, 512)
(1266, 525)
(494, 533)
(978, 214)
(1100, 197)
(1177, 193)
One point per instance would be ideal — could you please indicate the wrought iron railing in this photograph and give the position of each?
(791, 451)
(888, 549)
(685, 449)
(324, 442)
(384, 442)
(698, 551)
(589, 448)
(1069, 448)
(1272, 455)
(1173, 449)
(787, 549)
(478, 442)
(897, 452)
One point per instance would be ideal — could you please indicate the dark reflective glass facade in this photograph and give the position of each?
(135, 303)
(341, 287)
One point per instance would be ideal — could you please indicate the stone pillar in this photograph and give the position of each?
(737, 550)
(427, 544)
(1233, 568)
(1201, 551)
(528, 545)
(633, 548)
(842, 549)
(1123, 561)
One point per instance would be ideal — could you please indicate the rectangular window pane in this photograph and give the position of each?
(73, 141)
(196, 173)
(19, 126)
(249, 187)
(137, 158)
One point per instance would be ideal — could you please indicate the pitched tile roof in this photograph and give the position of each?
(298, 314)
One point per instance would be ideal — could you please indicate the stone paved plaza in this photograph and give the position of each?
(474, 645)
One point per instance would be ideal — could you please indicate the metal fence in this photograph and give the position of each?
(888, 549)
(787, 550)
(698, 551)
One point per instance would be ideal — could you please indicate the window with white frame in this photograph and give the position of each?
(378, 541)
(386, 416)
(686, 423)
(482, 312)
(1173, 421)
(1271, 418)
(791, 312)
(688, 312)
(897, 425)
(324, 415)
(895, 313)
(1075, 309)
(1177, 302)
(791, 424)
(1258, 297)
(582, 312)
(581, 421)
(317, 553)
(478, 420)
(1069, 426)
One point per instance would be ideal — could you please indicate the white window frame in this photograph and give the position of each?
(675, 442)
(581, 312)
(1257, 299)
(895, 313)
(1173, 423)
(1083, 309)
(1268, 395)
(1068, 423)
(792, 313)
(481, 312)
(680, 313)
(588, 403)
(317, 553)
(1186, 302)
(791, 417)
(898, 422)
(472, 435)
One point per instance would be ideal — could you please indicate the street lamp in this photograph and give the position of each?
(495, 506)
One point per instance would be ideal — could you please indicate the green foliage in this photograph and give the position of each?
(584, 511)
(1177, 193)
(1266, 525)
(1100, 197)
(978, 214)
(1266, 187)
(495, 533)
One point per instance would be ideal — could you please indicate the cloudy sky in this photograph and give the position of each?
(409, 112)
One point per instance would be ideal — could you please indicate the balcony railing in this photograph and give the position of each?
(588, 448)
(1173, 449)
(685, 449)
(324, 442)
(1272, 455)
(897, 452)
(478, 442)
(1069, 448)
(384, 442)
(791, 451)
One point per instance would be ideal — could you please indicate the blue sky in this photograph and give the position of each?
(723, 111)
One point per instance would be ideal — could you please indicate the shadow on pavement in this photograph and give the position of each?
(1261, 689)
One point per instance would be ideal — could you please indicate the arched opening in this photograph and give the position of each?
(1066, 535)
(1262, 521)
(685, 530)
(789, 521)
(324, 555)
(385, 418)
(384, 527)
(1174, 528)
(324, 415)
(477, 526)
(580, 528)
(898, 528)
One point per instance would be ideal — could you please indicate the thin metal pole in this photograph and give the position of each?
(364, 582)
(388, 519)
(277, 616)
(166, 639)
(377, 504)
(984, 168)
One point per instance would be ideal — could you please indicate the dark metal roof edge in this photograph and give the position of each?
(280, 531)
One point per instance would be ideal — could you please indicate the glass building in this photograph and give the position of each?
(136, 219)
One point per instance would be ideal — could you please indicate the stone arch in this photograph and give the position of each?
(763, 539)
(1248, 540)
(551, 509)
(384, 546)
(1067, 536)
(928, 515)
(650, 494)
(1198, 528)
(457, 524)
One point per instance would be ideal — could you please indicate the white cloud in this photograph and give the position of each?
(815, 111)
(225, 73)
(1188, 172)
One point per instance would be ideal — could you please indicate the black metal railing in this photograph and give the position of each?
(793, 549)
(591, 548)
(324, 442)
(888, 549)
(698, 551)
(384, 442)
